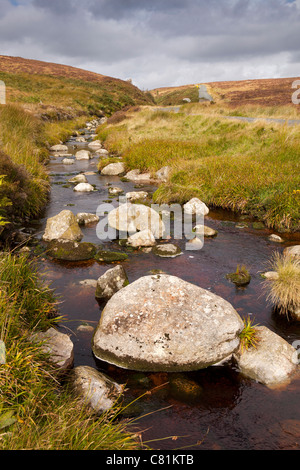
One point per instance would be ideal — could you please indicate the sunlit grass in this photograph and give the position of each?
(249, 167)
(248, 336)
(284, 291)
(38, 411)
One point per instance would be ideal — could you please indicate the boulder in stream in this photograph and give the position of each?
(95, 144)
(95, 389)
(62, 226)
(134, 196)
(136, 217)
(138, 177)
(68, 161)
(195, 207)
(163, 323)
(83, 155)
(85, 218)
(78, 179)
(84, 188)
(113, 169)
(111, 282)
(272, 362)
(143, 238)
(59, 148)
(167, 251)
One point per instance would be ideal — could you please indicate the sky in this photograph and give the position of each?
(158, 43)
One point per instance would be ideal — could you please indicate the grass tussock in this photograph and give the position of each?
(38, 411)
(248, 336)
(24, 151)
(248, 167)
(284, 291)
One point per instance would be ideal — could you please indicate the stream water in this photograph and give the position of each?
(232, 412)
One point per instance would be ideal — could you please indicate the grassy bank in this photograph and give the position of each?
(23, 153)
(37, 410)
(246, 167)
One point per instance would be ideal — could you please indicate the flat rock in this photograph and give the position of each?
(163, 323)
(67, 250)
(167, 250)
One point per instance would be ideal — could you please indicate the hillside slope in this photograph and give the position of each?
(55, 90)
(261, 92)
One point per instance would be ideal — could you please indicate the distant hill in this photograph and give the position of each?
(53, 89)
(262, 92)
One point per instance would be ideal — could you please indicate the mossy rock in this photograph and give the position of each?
(71, 251)
(110, 256)
(258, 225)
(184, 389)
(241, 278)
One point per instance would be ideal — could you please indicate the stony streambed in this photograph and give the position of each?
(216, 404)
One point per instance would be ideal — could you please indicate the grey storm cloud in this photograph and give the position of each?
(168, 39)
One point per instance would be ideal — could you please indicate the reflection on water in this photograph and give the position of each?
(230, 411)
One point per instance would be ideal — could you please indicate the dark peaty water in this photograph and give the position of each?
(231, 412)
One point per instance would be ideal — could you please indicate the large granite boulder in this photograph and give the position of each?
(136, 217)
(163, 323)
(62, 226)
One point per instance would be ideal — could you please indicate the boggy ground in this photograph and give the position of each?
(245, 167)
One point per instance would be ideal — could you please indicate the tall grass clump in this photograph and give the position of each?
(37, 410)
(284, 290)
